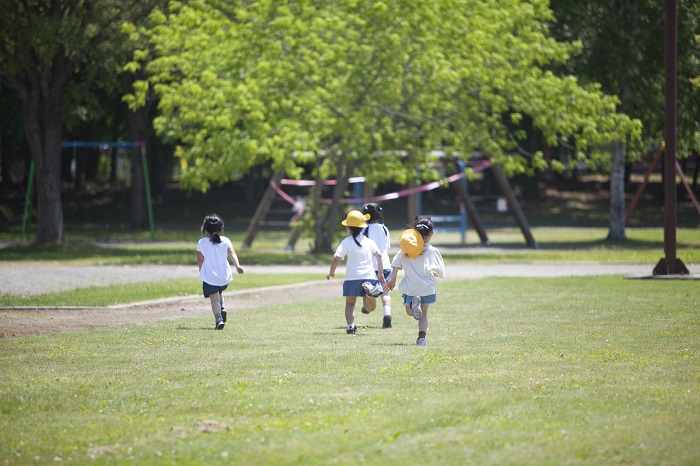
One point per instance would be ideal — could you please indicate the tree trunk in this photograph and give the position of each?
(42, 97)
(325, 224)
(617, 193)
(140, 130)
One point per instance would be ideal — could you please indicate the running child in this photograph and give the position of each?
(379, 233)
(421, 263)
(213, 251)
(360, 279)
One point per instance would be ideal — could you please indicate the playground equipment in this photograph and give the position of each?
(101, 145)
(457, 181)
(449, 223)
(652, 167)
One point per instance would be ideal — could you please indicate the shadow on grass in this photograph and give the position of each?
(180, 327)
(183, 253)
(145, 253)
(593, 244)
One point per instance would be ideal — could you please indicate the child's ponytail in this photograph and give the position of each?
(355, 232)
(423, 225)
(213, 225)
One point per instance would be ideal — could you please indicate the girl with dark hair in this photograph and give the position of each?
(421, 263)
(379, 233)
(213, 251)
(360, 279)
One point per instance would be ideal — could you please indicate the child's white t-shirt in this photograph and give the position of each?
(359, 265)
(380, 235)
(419, 279)
(215, 269)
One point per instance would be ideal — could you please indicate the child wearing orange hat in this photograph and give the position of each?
(421, 263)
(360, 278)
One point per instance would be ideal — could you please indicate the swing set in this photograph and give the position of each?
(103, 146)
(652, 167)
(467, 210)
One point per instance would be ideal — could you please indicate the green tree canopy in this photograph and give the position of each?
(243, 83)
(43, 45)
(623, 50)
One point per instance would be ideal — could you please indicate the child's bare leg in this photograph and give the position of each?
(369, 303)
(409, 311)
(386, 302)
(215, 299)
(423, 321)
(350, 309)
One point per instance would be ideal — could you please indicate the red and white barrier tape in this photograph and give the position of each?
(384, 197)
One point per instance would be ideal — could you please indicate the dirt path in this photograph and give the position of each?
(16, 322)
(20, 279)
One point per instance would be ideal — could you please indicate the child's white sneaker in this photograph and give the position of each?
(415, 307)
(373, 290)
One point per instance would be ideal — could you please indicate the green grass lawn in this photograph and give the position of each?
(595, 370)
(136, 292)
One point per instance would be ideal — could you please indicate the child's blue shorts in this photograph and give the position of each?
(354, 287)
(430, 299)
(212, 289)
(387, 274)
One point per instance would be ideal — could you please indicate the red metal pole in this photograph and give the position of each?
(670, 264)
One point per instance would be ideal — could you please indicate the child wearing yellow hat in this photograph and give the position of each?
(421, 263)
(360, 278)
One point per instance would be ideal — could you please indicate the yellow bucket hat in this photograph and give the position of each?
(411, 243)
(356, 219)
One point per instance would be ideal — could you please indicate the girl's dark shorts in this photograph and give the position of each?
(354, 287)
(212, 289)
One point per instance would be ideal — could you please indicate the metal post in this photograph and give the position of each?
(670, 264)
(357, 189)
(147, 185)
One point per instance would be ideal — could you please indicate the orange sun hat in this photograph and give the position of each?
(411, 243)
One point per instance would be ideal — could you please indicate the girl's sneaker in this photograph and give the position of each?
(223, 314)
(373, 290)
(421, 342)
(386, 323)
(219, 325)
(415, 307)
(351, 329)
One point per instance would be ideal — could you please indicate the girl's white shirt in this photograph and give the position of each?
(215, 269)
(380, 235)
(359, 264)
(419, 279)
